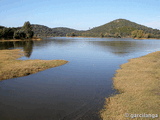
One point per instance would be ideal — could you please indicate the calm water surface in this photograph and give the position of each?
(74, 91)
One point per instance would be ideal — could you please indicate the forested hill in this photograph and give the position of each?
(122, 28)
(64, 30)
(116, 28)
(119, 28)
(43, 31)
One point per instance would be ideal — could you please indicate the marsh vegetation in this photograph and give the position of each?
(139, 87)
(10, 67)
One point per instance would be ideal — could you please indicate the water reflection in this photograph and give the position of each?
(120, 48)
(53, 41)
(27, 46)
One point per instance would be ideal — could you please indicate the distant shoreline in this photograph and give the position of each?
(38, 39)
(145, 38)
(111, 37)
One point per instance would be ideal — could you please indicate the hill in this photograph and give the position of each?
(121, 28)
(117, 28)
(63, 30)
(41, 30)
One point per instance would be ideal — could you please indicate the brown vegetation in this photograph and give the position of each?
(32, 39)
(10, 67)
(36, 38)
(139, 85)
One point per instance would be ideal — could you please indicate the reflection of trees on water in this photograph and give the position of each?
(26, 45)
(27, 48)
(120, 47)
(59, 42)
(6, 45)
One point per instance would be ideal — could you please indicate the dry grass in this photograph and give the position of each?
(10, 67)
(12, 40)
(5, 40)
(139, 84)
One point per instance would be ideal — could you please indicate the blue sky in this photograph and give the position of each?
(78, 14)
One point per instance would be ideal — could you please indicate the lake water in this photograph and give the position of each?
(74, 91)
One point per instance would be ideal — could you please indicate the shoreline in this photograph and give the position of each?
(113, 37)
(12, 40)
(10, 67)
(38, 39)
(138, 83)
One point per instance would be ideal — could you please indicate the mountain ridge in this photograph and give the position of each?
(115, 28)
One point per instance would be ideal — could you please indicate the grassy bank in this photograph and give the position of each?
(10, 67)
(139, 84)
(34, 39)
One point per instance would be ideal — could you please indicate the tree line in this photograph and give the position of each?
(130, 34)
(24, 32)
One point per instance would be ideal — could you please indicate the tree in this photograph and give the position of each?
(134, 34)
(6, 33)
(117, 35)
(27, 28)
(71, 34)
(1, 33)
(19, 34)
(101, 35)
(147, 35)
(140, 33)
(25, 32)
(137, 34)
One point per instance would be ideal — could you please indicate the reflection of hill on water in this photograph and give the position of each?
(119, 47)
(27, 46)
(58, 41)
